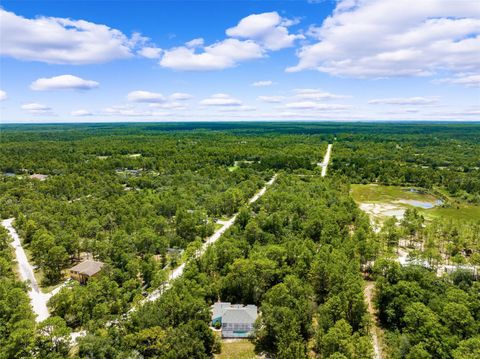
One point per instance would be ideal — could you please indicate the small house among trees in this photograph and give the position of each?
(236, 320)
(84, 270)
(39, 177)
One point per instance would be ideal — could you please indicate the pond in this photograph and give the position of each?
(421, 204)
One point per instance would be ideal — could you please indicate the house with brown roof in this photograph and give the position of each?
(85, 270)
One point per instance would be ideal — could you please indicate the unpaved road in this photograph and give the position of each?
(38, 299)
(368, 293)
(177, 272)
(326, 160)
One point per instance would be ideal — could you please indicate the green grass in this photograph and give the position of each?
(372, 193)
(378, 193)
(241, 349)
(233, 168)
(463, 212)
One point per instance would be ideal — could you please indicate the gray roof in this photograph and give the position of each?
(235, 313)
(88, 267)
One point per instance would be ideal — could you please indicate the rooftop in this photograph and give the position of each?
(88, 267)
(38, 176)
(234, 313)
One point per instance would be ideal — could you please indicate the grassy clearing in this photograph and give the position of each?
(378, 193)
(238, 349)
(460, 212)
(388, 196)
(233, 168)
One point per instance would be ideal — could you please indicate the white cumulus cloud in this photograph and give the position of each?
(268, 29)
(180, 96)
(469, 80)
(265, 83)
(131, 111)
(63, 40)
(63, 82)
(311, 105)
(383, 38)
(271, 99)
(35, 108)
(410, 101)
(3, 95)
(173, 105)
(220, 99)
(218, 56)
(316, 95)
(195, 42)
(150, 52)
(146, 97)
(250, 39)
(81, 113)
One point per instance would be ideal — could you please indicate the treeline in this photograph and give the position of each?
(422, 160)
(295, 254)
(164, 152)
(428, 316)
(147, 192)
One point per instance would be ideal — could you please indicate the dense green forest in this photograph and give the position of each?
(143, 198)
(428, 159)
(427, 316)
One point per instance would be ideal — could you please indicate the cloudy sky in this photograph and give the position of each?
(90, 61)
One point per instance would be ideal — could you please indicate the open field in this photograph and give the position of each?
(381, 202)
(379, 193)
(462, 212)
(238, 349)
(384, 201)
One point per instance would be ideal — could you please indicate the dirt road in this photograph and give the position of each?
(375, 330)
(177, 272)
(38, 299)
(326, 160)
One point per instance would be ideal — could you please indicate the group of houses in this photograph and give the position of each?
(234, 320)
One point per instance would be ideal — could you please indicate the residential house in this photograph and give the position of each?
(236, 320)
(39, 177)
(85, 270)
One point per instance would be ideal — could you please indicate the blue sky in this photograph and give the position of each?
(90, 61)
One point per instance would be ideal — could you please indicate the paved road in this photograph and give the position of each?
(326, 160)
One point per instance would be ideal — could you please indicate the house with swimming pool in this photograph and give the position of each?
(235, 320)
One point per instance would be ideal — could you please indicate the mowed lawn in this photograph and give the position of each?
(238, 349)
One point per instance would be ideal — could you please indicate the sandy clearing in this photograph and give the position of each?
(383, 209)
